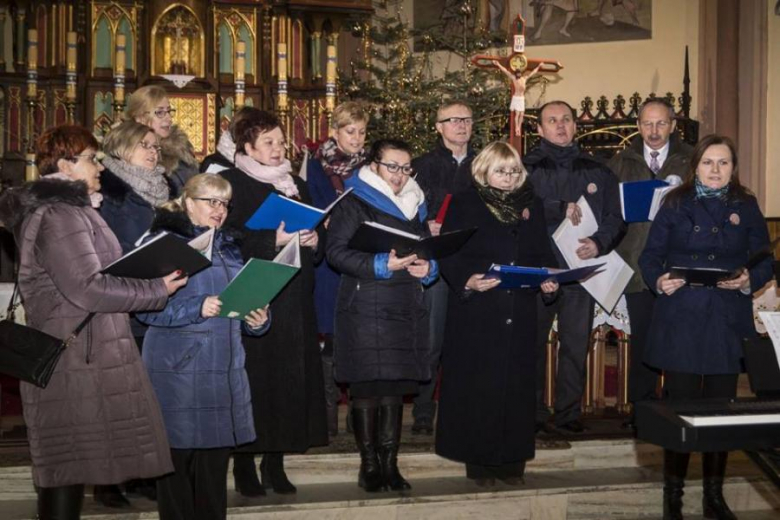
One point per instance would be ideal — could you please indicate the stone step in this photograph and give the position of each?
(569, 494)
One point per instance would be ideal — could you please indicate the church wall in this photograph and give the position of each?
(773, 115)
(623, 67)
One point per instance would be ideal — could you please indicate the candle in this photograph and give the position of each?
(119, 66)
(70, 89)
(241, 61)
(32, 49)
(281, 54)
(30, 168)
(330, 70)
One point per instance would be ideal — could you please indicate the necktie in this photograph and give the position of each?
(654, 166)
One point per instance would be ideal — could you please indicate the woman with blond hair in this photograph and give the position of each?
(151, 106)
(487, 403)
(196, 359)
(336, 160)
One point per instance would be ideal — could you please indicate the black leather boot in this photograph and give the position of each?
(390, 416)
(273, 475)
(332, 396)
(713, 503)
(245, 475)
(675, 469)
(110, 496)
(364, 423)
(61, 502)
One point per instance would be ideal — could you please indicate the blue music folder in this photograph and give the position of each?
(296, 215)
(636, 198)
(517, 277)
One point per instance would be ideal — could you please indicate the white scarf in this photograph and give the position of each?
(408, 200)
(278, 176)
(226, 147)
(95, 199)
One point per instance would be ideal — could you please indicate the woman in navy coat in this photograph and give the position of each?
(195, 360)
(710, 221)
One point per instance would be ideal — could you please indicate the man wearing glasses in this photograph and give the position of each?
(561, 173)
(656, 153)
(444, 170)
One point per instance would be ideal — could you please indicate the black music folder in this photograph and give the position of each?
(372, 237)
(709, 277)
(161, 256)
(762, 366)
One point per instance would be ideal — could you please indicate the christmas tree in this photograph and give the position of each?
(402, 88)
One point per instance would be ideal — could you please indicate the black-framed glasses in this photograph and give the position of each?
(91, 157)
(149, 146)
(397, 168)
(160, 113)
(505, 174)
(458, 120)
(214, 202)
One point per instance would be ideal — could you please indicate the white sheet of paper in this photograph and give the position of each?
(215, 168)
(204, 243)
(658, 199)
(772, 323)
(610, 281)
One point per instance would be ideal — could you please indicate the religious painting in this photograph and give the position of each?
(549, 22)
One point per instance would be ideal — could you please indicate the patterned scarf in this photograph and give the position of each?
(337, 164)
(278, 176)
(703, 192)
(150, 185)
(507, 206)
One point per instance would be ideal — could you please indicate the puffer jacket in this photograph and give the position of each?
(196, 364)
(98, 421)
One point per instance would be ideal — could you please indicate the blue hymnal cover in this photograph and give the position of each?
(296, 215)
(516, 277)
(636, 197)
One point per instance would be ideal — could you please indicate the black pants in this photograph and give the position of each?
(197, 489)
(682, 385)
(574, 308)
(436, 302)
(642, 379)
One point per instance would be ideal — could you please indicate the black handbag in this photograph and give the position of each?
(29, 354)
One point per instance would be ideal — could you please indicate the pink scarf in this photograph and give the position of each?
(278, 176)
(95, 199)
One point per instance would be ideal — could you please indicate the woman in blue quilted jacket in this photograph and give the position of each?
(195, 360)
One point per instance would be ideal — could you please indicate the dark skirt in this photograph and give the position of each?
(384, 388)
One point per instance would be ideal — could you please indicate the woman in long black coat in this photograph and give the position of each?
(696, 333)
(487, 402)
(284, 367)
(381, 332)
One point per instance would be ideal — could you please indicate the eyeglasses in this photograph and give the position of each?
(270, 143)
(396, 168)
(90, 157)
(458, 120)
(215, 203)
(661, 125)
(160, 113)
(506, 174)
(149, 146)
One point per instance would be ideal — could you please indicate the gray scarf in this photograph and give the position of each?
(150, 185)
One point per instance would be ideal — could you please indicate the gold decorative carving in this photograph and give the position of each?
(196, 116)
(178, 43)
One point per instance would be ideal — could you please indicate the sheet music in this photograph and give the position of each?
(204, 243)
(608, 284)
(216, 168)
(772, 323)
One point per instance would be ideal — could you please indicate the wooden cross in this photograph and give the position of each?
(517, 62)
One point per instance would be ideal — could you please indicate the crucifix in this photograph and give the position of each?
(516, 64)
(178, 62)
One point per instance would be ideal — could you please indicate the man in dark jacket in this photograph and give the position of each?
(444, 170)
(561, 173)
(658, 153)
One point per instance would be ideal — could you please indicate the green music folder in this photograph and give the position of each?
(259, 281)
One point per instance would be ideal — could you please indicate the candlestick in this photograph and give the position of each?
(32, 63)
(30, 169)
(282, 75)
(119, 75)
(240, 72)
(70, 75)
(330, 78)
(119, 65)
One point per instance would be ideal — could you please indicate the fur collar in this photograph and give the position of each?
(112, 187)
(179, 223)
(17, 203)
(176, 148)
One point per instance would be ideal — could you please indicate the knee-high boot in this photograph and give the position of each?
(390, 416)
(245, 475)
(332, 395)
(675, 469)
(713, 503)
(364, 426)
(61, 502)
